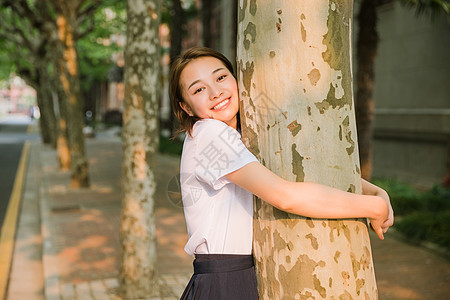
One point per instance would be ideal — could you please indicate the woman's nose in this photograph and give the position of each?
(216, 91)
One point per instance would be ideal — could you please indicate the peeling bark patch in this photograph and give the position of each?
(303, 31)
(339, 226)
(247, 74)
(253, 7)
(345, 296)
(294, 127)
(351, 188)
(322, 291)
(349, 139)
(297, 164)
(249, 35)
(336, 256)
(337, 53)
(305, 267)
(314, 242)
(284, 218)
(278, 27)
(241, 14)
(359, 285)
(310, 223)
(314, 76)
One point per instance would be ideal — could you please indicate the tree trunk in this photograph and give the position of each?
(297, 117)
(140, 142)
(48, 120)
(205, 14)
(366, 52)
(62, 137)
(44, 124)
(178, 19)
(68, 73)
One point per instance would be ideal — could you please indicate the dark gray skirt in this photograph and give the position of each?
(222, 277)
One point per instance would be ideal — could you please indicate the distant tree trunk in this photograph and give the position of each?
(45, 102)
(366, 52)
(205, 14)
(140, 142)
(297, 117)
(62, 136)
(178, 19)
(44, 125)
(68, 73)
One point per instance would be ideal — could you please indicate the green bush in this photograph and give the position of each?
(168, 146)
(404, 198)
(437, 199)
(426, 226)
(423, 217)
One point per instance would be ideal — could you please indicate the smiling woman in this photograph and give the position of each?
(219, 79)
(218, 176)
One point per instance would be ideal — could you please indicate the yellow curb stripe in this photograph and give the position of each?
(10, 223)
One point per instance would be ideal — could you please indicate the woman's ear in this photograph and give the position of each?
(186, 108)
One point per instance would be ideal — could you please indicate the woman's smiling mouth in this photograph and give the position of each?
(221, 104)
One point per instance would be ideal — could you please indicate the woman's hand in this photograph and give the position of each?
(377, 222)
(371, 189)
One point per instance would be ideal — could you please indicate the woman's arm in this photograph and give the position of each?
(310, 199)
(371, 189)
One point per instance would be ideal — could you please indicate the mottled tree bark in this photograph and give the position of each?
(297, 117)
(68, 72)
(62, 135)
(366, 53)
(140, 141)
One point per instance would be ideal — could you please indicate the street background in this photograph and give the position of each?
(67, 243)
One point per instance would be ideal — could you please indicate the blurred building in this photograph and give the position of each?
(412, 96)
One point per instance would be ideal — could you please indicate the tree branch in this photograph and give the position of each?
(89, 29)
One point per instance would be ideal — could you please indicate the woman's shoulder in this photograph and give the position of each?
(209, 126)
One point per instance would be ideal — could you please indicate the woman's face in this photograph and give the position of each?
(209, 91)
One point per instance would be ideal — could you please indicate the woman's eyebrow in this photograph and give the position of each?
(198, 80)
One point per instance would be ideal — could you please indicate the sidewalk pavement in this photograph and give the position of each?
(67, 244)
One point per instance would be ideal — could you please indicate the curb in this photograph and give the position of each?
(9, 228)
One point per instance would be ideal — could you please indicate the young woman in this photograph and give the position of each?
(219, 176)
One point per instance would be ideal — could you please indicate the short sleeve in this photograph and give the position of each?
(219, 152)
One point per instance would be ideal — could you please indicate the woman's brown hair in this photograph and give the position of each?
(175, 94)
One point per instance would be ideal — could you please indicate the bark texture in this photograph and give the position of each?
(140, 142)
(366, 53)
(69, 77)
(297, 116)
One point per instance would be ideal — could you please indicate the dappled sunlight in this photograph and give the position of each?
(101, 189)
(58, 188)
(391, 290)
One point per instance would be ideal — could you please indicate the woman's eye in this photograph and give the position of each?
(222, 77)
(198, 90)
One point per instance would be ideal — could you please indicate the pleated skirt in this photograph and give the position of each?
(222, 277)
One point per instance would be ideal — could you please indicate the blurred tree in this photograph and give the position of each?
(61, 22)
(366, 52)
(297, 117)
(140, 142)
(28, 51)
(205, 15)
(177, 23)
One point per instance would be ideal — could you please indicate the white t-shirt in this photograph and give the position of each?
(219, 214)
